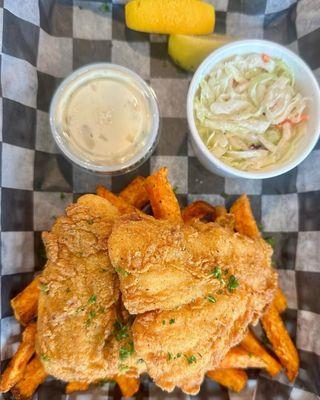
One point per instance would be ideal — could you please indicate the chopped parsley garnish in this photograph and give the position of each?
(163, 322)
(172, 321)
(123, 367)
(250, 355)
(121, 330)
(122, 271)
(62, 196)
(91, 315)
(44, 288)
(92, 299)
(225, 272)
(170, 356)
(271, 240)
(191, 359)
(212, 299)
(105, 7)
(260, 227)
(126, 351)
(232, 283)
(217, 273)
(44, 357)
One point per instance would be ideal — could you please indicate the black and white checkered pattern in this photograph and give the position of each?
(42, 42)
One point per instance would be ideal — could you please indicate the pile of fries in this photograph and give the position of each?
(25, 371)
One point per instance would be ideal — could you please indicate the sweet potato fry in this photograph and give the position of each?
(234, 379)
(244, 219)
(33, 376)
(251, 344)
(197, 209)
(17, 365)
(280, 301)
(119, 202)
(281, 341)
(135, 193)
(76, 387)
(240, 358)
(128, 385)
(25, 304)
(162, 198)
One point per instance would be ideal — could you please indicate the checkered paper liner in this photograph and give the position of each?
(42, 42)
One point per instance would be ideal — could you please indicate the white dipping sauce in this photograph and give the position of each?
(104, 119)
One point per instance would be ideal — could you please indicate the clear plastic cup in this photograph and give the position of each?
(82, 76)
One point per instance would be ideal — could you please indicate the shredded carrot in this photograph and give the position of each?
(304, 117)
(265, 57)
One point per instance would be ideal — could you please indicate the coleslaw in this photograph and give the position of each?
(249, 113)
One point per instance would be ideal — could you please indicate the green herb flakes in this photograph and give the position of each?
(44, 288)
(123, 367)
(122, 271)
(191, 359)
(121, 331)
(217, 273)
(44, 357)
(232, 283)
(169, 356)
(212, 299)
(91, 315)
(126, 351)
(172, 321)
(92, 299)
(62, 196)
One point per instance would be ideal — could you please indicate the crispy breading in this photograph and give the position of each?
(79, 289)
(179, 346)
(163, 265)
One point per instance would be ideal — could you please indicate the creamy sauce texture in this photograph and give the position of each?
(106, 120)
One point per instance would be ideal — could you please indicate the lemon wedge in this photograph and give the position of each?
(190, 17)
(189, 51)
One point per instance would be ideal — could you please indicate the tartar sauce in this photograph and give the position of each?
(106, 119)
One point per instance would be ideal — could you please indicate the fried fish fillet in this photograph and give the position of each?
(79, 291)
(179, 346)
(198, 288)
(162, 265)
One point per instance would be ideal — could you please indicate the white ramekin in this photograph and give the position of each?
(71, 83)
(306, 84)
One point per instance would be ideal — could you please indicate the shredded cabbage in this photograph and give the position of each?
(249, 113)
